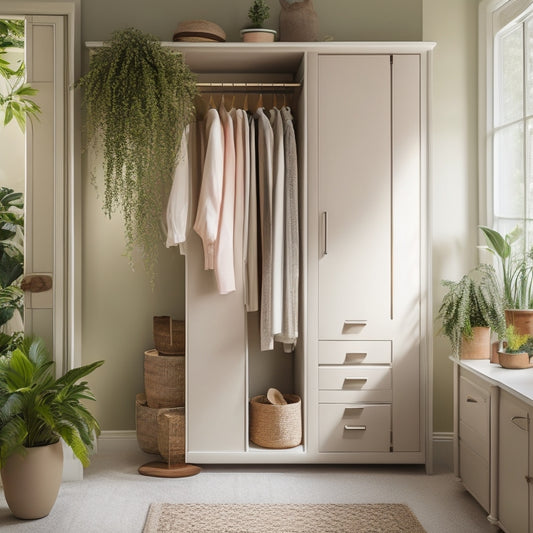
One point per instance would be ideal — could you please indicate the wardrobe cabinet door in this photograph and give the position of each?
(354, 163)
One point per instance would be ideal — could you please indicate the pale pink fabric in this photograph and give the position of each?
(224, 261)
(210, 199)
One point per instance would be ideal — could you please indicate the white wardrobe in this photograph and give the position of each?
(361, 360)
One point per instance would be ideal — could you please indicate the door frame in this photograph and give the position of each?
(69, 278)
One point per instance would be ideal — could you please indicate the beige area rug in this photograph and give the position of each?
(281, 518)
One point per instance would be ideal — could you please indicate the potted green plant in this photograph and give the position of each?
(259, 12)
(469, 310)
(516, 270)
(36, 411)
(11, 267)
(138, 98)
(517, 350)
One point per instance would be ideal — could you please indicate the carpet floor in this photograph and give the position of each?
(281, 518)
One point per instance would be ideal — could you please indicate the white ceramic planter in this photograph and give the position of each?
(258, 35)
(31, 481)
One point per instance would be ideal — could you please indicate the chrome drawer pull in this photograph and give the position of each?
(355, 322)
(471, 400)
(521, 422)
(354, 428)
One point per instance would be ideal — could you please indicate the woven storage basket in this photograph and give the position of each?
(146, 424)
(171, 435)
(276, 426)
(164, 379)
(169, 335)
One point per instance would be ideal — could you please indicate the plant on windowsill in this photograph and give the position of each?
(469, 310)
(517, 349)
(255, 33)
(138, 98)
(516, 270)
(36, 411)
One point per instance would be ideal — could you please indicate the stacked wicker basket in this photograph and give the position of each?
(160, 411)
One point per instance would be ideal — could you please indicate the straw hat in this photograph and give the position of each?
(199, 30)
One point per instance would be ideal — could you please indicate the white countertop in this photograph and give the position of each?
(518, 382)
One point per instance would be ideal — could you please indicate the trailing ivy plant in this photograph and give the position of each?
(138, 98)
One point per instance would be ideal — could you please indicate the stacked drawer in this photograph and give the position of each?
(474, 443)
(355, 395)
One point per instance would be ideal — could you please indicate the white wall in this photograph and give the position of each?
(454, 217)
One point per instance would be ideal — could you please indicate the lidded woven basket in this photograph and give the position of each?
(169, 335)
(276, 426)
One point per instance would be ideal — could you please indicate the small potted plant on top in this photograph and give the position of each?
(517, 351)
(469, 310)
(255, 33)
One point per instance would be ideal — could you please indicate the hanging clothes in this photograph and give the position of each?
(251, 256)
(265, 147)
(291, 266)
(278, 215)
(210, 199)
(178, 200)
(224, 260)
(240, 120)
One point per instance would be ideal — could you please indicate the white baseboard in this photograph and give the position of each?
(117, 441)
(443, 451)
(120, 441)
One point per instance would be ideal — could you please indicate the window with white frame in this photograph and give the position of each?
(506, 115)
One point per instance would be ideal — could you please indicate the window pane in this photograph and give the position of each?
(529, 65)
(509, 86)
(509, 172)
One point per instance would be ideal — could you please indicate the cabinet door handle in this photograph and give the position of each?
(521, 422)
(354, 428)
(471, 400)
(355, 322)
(355, 379)
(325, 224)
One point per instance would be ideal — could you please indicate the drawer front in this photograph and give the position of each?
(354, 428)
(475, 475)
(354, 352)
(355, 396)
(474, 407)
(354, 378)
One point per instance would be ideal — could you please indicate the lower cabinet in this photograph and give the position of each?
(494, 444)
(513, 461)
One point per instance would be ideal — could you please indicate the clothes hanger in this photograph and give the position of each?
(245, 103)
(211, 101)
(260, 100)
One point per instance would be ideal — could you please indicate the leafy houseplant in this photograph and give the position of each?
(138, 98)
(259, 12)
(36, 410)
(14, 92)
(472, 302)
(11, 264)
(516, 269)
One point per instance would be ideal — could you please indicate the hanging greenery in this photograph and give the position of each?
(138, 98)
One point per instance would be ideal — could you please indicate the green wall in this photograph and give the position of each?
(118, 303)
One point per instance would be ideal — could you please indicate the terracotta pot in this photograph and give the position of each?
(258, 35)
(514, 360)
(31, 481)
(478, 347)
(522, 320)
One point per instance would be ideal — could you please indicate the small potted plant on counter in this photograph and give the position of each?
(469, 310)
(517, 350)
(255, 33)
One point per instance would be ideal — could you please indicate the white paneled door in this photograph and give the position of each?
(45, 199)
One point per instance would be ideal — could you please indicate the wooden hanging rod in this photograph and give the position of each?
(247, 85)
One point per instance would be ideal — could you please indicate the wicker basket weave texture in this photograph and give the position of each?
(171, 435)
(169, 335)
(164, 379)
(276, 426)
(146, 424)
